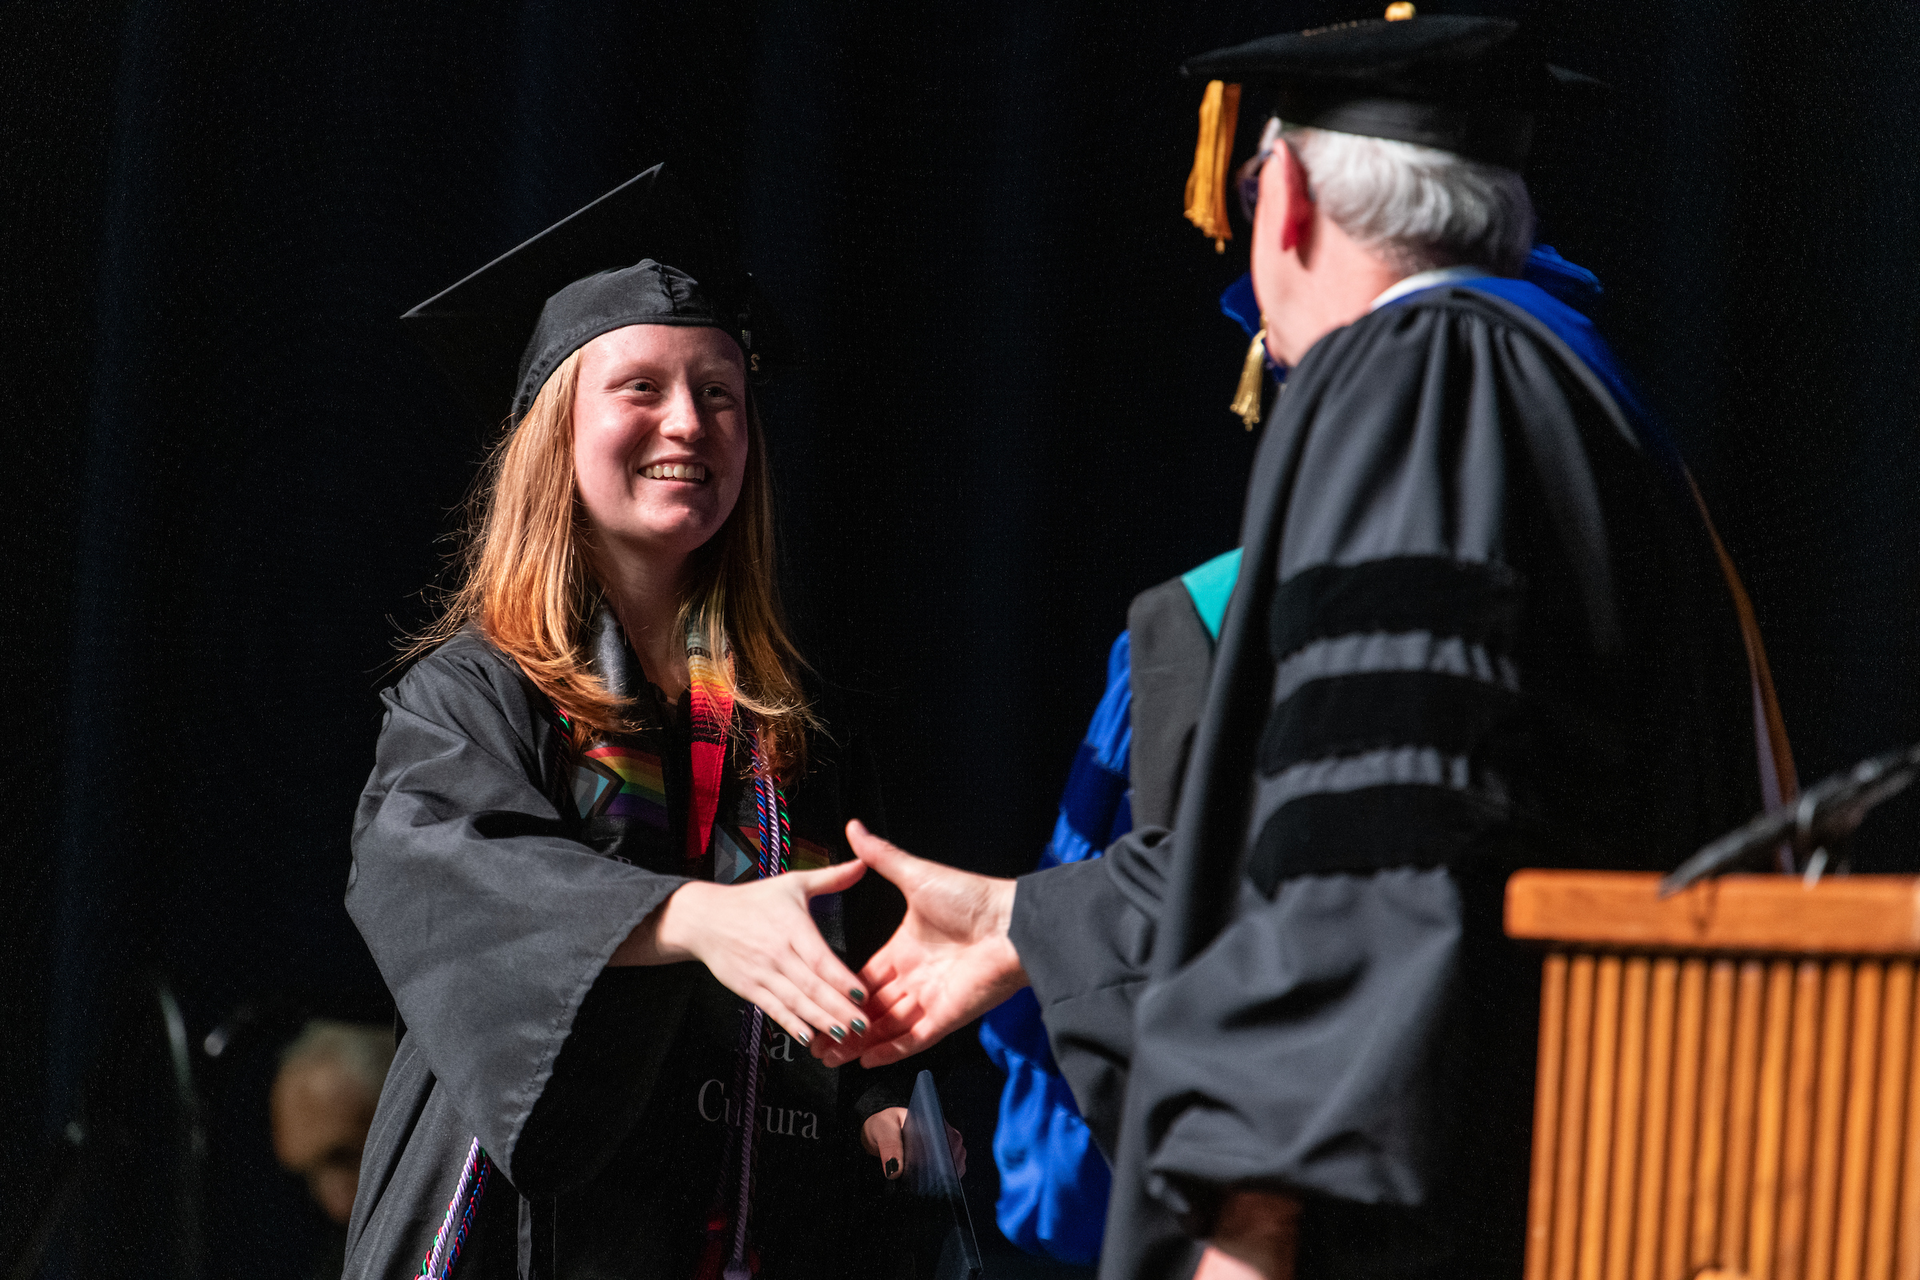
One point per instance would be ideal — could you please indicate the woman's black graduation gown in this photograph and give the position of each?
(1478, 625)
(491, 906)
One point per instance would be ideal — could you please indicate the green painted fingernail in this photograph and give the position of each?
(857, 994)
(858, 1026)
(836, 1033)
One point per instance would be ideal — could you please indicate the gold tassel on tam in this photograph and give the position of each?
(1207, 184)
(1253, 380)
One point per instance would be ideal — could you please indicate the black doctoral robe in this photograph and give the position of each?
(1478, 626)
(492, 886)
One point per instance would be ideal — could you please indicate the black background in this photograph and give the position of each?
(228, 479)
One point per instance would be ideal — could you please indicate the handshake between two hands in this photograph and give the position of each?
(950, 960)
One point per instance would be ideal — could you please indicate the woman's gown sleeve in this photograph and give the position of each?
(492, 926)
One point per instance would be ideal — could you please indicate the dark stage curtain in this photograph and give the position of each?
(229, 477)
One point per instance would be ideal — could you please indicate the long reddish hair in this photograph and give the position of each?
(525, 580)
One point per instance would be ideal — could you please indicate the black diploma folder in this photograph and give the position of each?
(943, 1245)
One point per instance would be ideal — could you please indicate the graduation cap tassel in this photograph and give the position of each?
(1207, 184)
(1253, 380)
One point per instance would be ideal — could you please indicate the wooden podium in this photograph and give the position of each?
(1729, 1080)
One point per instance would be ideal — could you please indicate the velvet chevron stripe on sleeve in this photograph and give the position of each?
(1479, 602)
(1397, 718)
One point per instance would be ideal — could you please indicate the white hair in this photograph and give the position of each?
(364, 1052)
(1417, 207)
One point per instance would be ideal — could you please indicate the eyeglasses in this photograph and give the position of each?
(1248, 181)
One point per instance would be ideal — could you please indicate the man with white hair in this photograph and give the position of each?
(1481, 621)
(321, 1109)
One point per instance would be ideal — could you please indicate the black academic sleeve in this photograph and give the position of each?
(493, 927)
(1084, 932)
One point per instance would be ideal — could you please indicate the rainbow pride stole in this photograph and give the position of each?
(808, 856)
(617, 781)
(712, 706)
(805, 856)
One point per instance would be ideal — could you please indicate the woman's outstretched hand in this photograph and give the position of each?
(949, 961)
(884, 1135)
(759, 941)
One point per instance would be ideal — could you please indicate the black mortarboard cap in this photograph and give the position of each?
(640, 254)
(1470, 85)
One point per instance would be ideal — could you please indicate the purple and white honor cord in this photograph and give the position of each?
(459, 1220)
(774, 842)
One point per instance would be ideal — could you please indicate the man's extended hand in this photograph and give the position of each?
(949, 961)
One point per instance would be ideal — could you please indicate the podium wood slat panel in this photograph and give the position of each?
(1889, 1121)
(1863, 1057)
(1546, 1114)
(1680, 1135)
(1796, 1160)
(1569, 1158)
(1653, 1128)
(1629, 1105)
(1823, 1198)
(1728, 1082)
(1711, 1147)
(1770, 1122)
(1601, 1093)
(1743, 1104)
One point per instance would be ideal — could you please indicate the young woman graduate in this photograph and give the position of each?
(567, 860)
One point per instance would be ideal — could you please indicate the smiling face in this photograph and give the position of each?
(659, 438)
